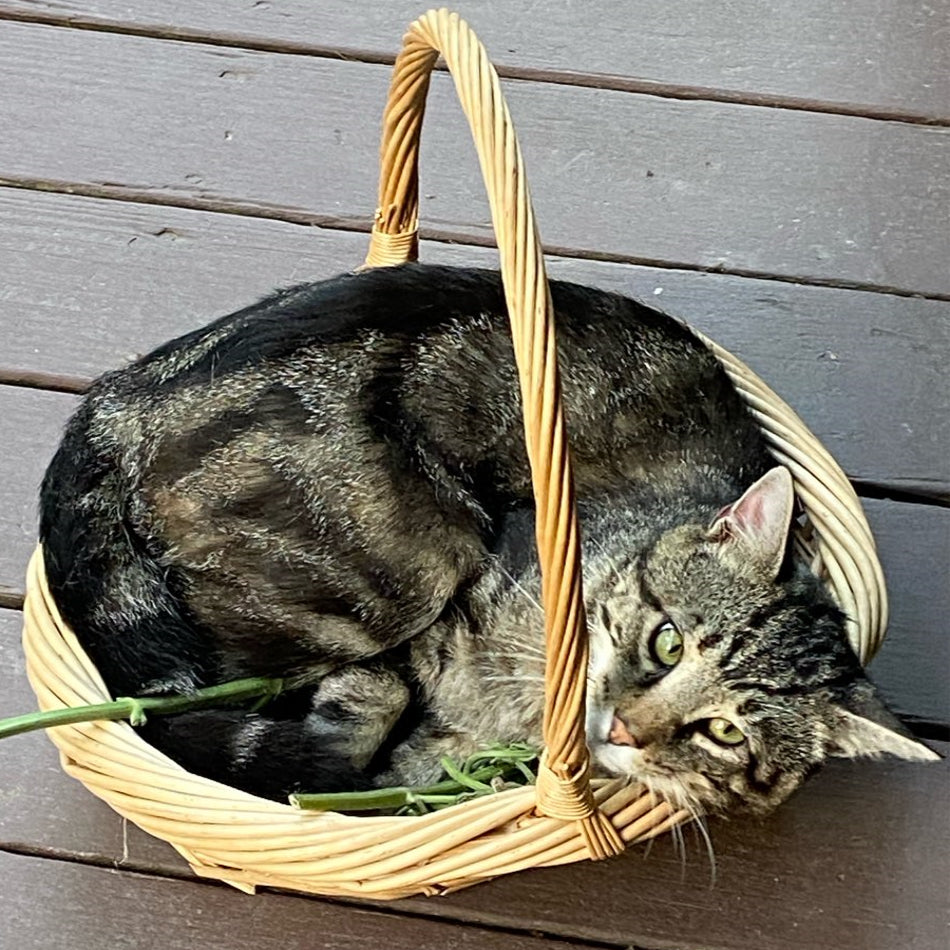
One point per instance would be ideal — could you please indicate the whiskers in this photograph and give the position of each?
(514, 678)
(521, 662)
(679, 796)
(518, 587)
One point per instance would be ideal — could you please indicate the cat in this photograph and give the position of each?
(330, 486)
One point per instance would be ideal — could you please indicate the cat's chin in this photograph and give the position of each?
(616, 761)
(607, 758)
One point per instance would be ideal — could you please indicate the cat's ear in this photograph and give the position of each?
(872, 731)
(756, 525)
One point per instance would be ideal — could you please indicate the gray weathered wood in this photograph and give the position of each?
(913, 667)
(857, 861)
(710, 185)
(30, 425)
(102, 907)
(40, 806)
(862, 57)
(89, 283)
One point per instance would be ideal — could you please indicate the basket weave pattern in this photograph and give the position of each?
(247, 841)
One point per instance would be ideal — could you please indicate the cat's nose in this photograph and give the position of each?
(620, 734)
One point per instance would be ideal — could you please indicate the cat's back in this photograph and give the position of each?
(421, 356)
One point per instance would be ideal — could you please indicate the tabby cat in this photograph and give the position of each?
(331, 486)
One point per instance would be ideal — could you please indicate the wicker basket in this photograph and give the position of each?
(247, 841)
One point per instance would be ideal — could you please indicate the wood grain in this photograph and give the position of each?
(857, 861)
(90, 283)
(861, 858)
(43, 808)
(101, 907)
(864, 58)
(632, 177)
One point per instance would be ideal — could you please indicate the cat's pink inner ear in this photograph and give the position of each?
(759, 521)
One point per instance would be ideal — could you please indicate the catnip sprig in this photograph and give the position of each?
(137, 709)
(482, 773)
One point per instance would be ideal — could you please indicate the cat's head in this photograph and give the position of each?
(720, 674)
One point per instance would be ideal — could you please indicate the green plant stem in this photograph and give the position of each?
(375, 798)
(463, 777)
(469, 780)
(135, 710)
(446, 792)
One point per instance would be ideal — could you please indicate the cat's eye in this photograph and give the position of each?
(666, 644)
(724, 732)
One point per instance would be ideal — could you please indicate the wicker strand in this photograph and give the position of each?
(568, 797)
(386, 250)
(564, 786)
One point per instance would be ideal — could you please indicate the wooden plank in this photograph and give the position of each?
(199, 915)
(94, 282)
(40, 806)
(822, 198)
(30, 425)
(865, 58)
(913, 667)
(857, 861)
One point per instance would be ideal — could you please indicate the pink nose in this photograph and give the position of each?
(620, 734)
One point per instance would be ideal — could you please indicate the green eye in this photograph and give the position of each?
(724, 732)
(667, 644)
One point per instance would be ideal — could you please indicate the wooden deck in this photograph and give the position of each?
(779, 179)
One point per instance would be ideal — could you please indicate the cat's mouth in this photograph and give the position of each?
(623, 761)
(614, 748)
(616, 752)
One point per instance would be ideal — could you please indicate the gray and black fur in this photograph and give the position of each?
(331, 486)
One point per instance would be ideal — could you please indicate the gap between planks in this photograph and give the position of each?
(10, 599)
(113, 191)
(657, 89)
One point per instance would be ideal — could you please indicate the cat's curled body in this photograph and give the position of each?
(331, 487)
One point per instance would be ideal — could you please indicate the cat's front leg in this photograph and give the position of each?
(354, 709)
(416, 762)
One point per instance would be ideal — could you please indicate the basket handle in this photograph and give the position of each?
(563, 789)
